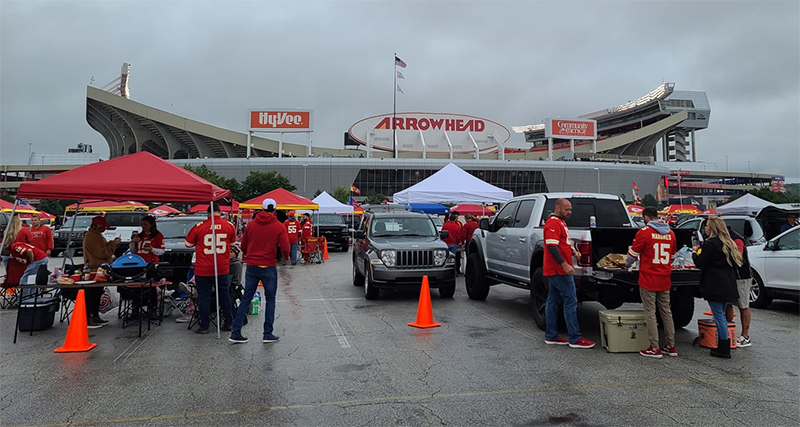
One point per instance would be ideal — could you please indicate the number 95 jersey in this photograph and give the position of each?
(208, 244)
(654, 251)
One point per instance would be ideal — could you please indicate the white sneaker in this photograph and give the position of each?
(183, 319)
(743, 342)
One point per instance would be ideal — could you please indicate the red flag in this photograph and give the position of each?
(400, 75)
(400, 90)
(354, 189)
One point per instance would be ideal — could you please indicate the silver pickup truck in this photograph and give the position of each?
(509, 249)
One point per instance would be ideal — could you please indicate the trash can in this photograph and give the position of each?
(623, 331)
(39, 316)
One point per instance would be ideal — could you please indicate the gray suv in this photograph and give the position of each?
(393, 250)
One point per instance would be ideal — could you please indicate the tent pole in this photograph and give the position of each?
(69, 239)
(216, 268)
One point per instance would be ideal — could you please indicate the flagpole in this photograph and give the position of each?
(394, 110)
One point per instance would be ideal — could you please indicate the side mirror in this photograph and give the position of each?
(483, 224)
(444, 234)
(770, 246)
(361, 234)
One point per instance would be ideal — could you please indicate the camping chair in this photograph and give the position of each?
(10, 295)
(312, 251)
(195, 320)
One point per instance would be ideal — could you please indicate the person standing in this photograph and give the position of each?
(791, 221)
(453, 233)
(558, 270)
(96, 251)
(307, 231)
(743, 281)
(469, 228)
(210, 244)
(293, 230)
(41, 235)
(655, 246)
(259, 246)
(718, 259)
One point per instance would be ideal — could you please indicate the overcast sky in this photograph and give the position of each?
(514, 63)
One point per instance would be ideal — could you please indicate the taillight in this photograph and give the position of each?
(585, 249)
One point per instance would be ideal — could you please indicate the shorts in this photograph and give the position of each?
(743, 287)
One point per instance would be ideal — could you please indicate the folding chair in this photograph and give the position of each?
(10, 295)
(195, 320)
(312, 251)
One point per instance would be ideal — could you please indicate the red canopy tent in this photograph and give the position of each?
(464, 209)
(285, 199)
(678, 209)
(108, 205)
(163, 210)
(232, 209)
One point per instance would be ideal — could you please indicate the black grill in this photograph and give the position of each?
(177, 259)
(414, 259)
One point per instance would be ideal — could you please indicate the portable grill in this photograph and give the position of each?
(131, 268)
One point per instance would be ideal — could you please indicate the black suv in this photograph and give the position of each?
(177, 255)
(124, 223)
(393, 250)
(333, 228)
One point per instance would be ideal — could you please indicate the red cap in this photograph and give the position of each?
(291, 213)
(99, 220)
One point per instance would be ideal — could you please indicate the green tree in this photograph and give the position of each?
(316, 194)
(258, 183)
(650, 200)
(55, 207)
(374, 198)
(7, 197)
(220, 181)
(342, 194)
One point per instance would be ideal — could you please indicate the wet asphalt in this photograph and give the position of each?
(346, 361)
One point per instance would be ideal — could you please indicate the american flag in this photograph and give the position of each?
(400, 90)
(399, 62)
(695, 202)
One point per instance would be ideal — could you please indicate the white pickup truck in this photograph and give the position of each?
(510, 250)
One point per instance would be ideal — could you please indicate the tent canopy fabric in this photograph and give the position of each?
(452, 185)
(139, 176)
(163, 210)
(327, 204)
(745, 205)
(285, 199)
(203, 207)
(479, 210)
(430, 208)
(678, 209)
(108, 205)
(6, 206)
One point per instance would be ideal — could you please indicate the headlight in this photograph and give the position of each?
(389, 257)
(440, 256)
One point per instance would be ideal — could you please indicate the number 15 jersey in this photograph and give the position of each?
(206, 247)
(654, 251)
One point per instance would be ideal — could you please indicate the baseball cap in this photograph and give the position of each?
(291, 213)
(99, 220)
(265, 204)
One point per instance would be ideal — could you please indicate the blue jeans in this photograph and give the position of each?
(562, 290)
(453, 249)
(718, 311)
(269, 278)
(32, 269)
(204, 286)
(294, 253)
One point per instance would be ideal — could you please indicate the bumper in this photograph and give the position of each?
(389, 278)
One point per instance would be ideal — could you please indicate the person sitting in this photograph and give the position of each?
(791, 221)
(148, 244)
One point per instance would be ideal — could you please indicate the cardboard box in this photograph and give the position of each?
(623, 331)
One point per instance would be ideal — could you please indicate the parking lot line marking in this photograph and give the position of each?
(322, 299)
(512, 327)
(337, 330)
(412, 398)
(146, 335)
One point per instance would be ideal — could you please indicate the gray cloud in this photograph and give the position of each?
(512, 62)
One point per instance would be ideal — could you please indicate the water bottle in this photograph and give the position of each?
(254, 305)
(592, 222)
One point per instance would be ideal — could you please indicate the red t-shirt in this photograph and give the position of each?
(654, 251)
(42, 237)
(468, 229)
(556, 234)
(19, 251)
(24, 236)
(156, 242)
(454, 236)
(201, 237)
(308, 230)
(293, 229)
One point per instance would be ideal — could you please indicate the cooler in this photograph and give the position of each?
(707, 333)
(39, 316)
(623, 331)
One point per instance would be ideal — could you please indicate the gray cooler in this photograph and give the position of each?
(623, 331)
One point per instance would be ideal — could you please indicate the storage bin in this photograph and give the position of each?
(707, 333)
(623, 331)
(37, 317)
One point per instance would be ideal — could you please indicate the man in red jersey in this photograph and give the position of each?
(25, 258)
(655, 246)
(558, 270)
(41, 235)
(210, 245)
(261, 238)
(293, 230)
(453, 233)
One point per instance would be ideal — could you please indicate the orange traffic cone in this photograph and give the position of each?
(325, 250)
(424, 309)
(77, 333)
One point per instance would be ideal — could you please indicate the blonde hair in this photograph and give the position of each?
(13, 230)
(718, 228)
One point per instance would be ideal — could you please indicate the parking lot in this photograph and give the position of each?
(343, 360)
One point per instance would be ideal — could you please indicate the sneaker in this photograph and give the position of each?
(671, 351)
(185, 288)
(183, 319)
(237, 339)
(91, 324)
(557, 341)
(201, 331)
(98, 319)
(270, 338)
(655, 353)
(743, 341)
(582, 343)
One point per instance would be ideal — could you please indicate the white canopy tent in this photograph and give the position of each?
(327, 204)
(745, 205)
(452, 185)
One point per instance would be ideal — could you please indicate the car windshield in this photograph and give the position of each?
(81, 222)
(422, 227)
(124, 219)
(333, 219)
(177, 229)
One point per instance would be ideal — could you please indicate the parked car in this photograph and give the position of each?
(393, 250)
(746, 226)
(4, 219)
(177, 257)
(71, 232)
(125, 223)
(437, 221)
(776, 269)
(333, 227)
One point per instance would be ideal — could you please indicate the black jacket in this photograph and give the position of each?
(717, 278)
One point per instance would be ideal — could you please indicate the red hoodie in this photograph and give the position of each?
(261, 239)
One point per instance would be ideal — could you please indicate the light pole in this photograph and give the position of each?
(598, 179)
(30, 146)
(726, 164)
(305, 168)
(748, 166)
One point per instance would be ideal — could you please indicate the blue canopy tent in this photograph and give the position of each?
(430, 208)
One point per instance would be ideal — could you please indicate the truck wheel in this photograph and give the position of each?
(476, 281)
(759, 296)
(358, 278)
(370, 291)
(539, 291)
(447, 291)
(682, 306)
